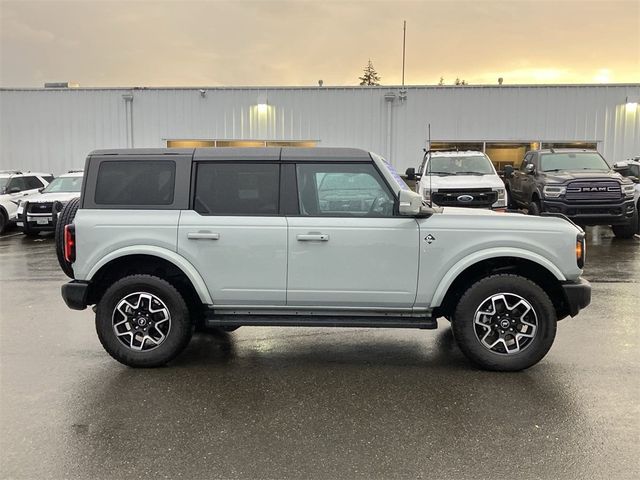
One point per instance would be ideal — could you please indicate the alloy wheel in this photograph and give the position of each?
(141, 321)
(505, 323)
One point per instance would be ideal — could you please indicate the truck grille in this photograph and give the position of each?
(593, 191)
(480, 197)
(44, 207)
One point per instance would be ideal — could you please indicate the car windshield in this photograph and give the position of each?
(555, 162)
(64, 184)
(459, 165)
(3, 183)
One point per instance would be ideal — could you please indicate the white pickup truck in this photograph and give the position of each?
(162, 240)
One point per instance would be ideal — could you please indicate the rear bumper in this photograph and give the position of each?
(75, 293)
(601, 213)
(577, 295)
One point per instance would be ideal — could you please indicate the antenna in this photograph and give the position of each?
(404, 42)
(429, 172)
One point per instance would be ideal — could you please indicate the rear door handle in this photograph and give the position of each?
(311, 237)
(203, 236)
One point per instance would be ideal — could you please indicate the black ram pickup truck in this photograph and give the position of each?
(577, 183)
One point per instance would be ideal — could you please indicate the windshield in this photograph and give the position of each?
(64, 184)
(554, 162)
(460, 165)
(3, 183)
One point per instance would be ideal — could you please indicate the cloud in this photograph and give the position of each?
(115, 43)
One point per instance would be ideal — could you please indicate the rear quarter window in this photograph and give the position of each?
(135, 182)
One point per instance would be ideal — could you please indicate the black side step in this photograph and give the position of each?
(222, 320)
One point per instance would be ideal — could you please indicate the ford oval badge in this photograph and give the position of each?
(465, 198)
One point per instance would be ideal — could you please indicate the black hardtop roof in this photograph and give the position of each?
(235, 153)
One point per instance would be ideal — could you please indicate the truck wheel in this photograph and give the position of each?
(534, 208)
(3, 221)
(66, 217)
(143, 321)
(625, 231)
(504, 322)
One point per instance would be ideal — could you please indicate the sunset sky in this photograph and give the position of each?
(198, 43)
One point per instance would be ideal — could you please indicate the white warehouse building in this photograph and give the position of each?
(53, 129)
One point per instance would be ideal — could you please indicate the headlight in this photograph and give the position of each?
(426, 194)
(500, 193)
(554, 191)
(627, 190)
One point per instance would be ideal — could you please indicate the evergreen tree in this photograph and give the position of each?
(369, 76)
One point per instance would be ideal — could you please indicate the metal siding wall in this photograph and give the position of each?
(53, 130)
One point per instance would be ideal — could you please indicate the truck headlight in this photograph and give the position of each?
(426, 194)
(553, 191)
(628, 190)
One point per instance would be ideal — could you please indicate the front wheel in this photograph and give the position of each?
(504, 322)
(143, 321)
(628, 230)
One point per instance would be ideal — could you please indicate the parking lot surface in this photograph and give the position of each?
(316, 403)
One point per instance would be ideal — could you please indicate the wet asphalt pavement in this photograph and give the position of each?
(316, 403)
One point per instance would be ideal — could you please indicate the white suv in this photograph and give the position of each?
(14, 185)
(36, 212)
(162, 240)
(459, 179)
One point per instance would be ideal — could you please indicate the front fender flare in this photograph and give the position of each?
(185, 266)
(489, 253)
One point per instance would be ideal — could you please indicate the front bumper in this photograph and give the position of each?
(593, 213)
(577, 295)
(75, 294)
(40, 223)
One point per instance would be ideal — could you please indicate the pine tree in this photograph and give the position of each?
(441, 82)
(369, 76)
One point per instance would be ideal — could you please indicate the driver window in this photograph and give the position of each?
(343, 190)
(524, 163)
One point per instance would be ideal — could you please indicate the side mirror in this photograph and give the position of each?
(634, 179)
(508, 171)
(411, 173)
(14, 190)
(620, 166)
(530, 168)
(410, 204)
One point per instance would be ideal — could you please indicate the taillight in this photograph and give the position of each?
(70, 243)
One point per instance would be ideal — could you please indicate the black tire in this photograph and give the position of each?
(176, 337)
(534, 208)
(465, 330)
(65, 218)
(626, 231)
(3, 221)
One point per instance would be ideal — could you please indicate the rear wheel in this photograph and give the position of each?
(65, 218)
(504, 322)
(534, 208)
(143, 321)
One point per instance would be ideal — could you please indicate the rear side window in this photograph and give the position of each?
(137, 182)
(33, 183)
(240, 188)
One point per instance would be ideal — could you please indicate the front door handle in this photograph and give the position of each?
(203, 236)
(311, 237)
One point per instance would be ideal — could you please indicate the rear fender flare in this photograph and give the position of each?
(185, 266)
